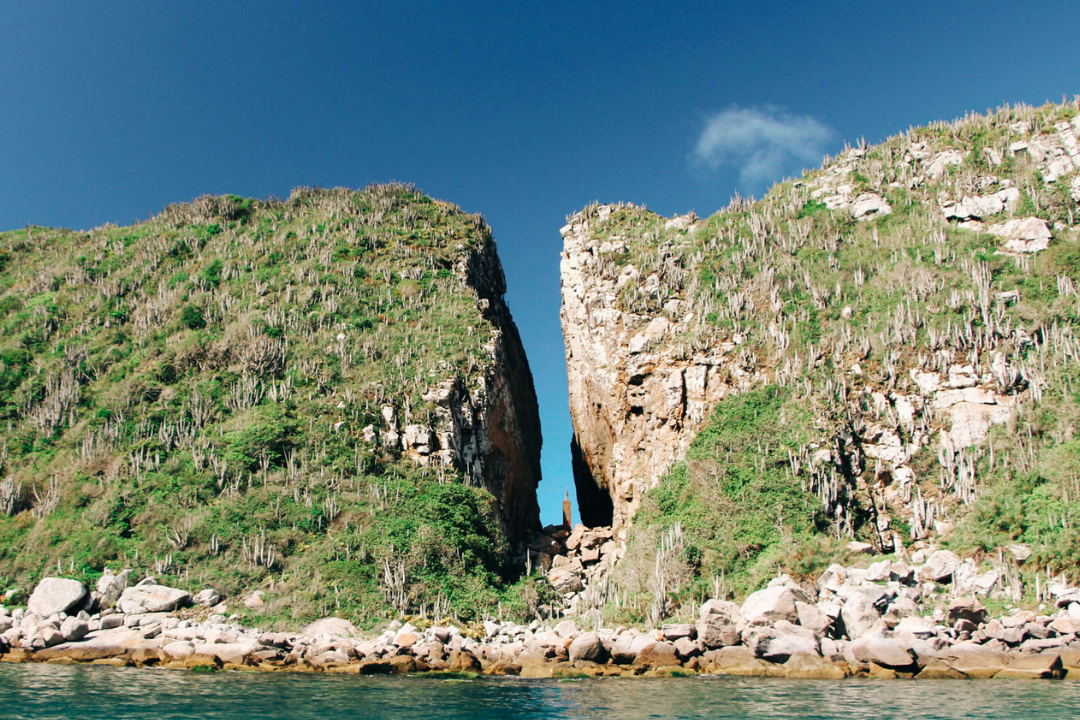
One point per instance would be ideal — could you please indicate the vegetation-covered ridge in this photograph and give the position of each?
(887, 351)
(323, 398)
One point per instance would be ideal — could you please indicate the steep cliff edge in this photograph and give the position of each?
(485, 424)
(900, 330)
(635, 404)
(323, 398)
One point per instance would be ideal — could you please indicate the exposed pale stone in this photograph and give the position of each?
(973, 660)
(681, 630)
(779, 641)
(772, 604)
(807, 666)
(813, 618)
(859, 614)
(207, 597)
(887, 652)
(982, 206)
(463, 661)
(587, 647)
(635, 404)
(332, 627)
(939, 566)
(1045, 666)
(110, 586)
(152, 599)
(939, 163)
(179, 650)
(55, 595)
(869, 205)
(657, 654)
(625, 647)
(686, 648)
(860, 548)
(1023, 235)
(329, 659)
(718, 623)
(74, 629)
(915, 627)
(49, 635)
(565, 579)
(739, 660)
(966, 608)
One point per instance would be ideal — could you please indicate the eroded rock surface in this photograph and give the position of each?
(635, 405)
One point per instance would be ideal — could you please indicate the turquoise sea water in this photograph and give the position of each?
(75, 692)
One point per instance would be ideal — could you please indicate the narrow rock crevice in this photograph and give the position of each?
(594, 502)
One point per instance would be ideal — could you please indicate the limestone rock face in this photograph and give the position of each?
(635, 405)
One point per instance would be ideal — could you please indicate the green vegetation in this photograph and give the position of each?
(188, 397)
(732, 509)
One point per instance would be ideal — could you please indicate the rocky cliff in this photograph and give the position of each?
(485, 424)
(635, 403)
(906, 317)
(324, 397)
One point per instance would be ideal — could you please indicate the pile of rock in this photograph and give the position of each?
(856, 620)
(573, 559)
(888, 620)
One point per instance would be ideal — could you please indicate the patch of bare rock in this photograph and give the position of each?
(879, 622)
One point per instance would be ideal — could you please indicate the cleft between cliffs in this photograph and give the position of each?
(324, 400)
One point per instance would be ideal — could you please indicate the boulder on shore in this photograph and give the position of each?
(587, 647)
(969, 660)
(152, 599)
(772, 604)
(805, 666)
(781, 640)
(718, 624)
(884, 651)
(111, 586)
(56, 595)
(738, 660)
(1043, 666)
(657, 654)
(332, 626)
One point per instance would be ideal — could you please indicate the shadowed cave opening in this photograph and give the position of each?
(594, 502)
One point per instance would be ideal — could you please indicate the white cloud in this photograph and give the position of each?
(764, 143)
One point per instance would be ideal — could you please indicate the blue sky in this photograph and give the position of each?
(524, 112)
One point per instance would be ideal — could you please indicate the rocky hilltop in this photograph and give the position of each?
(883, 350)
(324, 399)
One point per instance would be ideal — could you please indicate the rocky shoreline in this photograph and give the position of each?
(852, 622)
